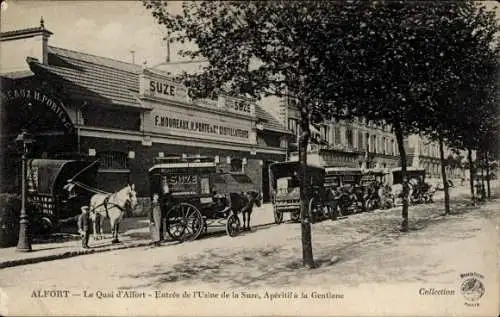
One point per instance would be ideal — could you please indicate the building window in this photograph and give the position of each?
(337, 135)
(324, 133)
(292, 125)
(113, 160)
(236, 165)
(384, 145)
(350, 138)
(361, 143)
(373, 145)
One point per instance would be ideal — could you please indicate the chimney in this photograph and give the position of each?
(45, 41)
(17, 45)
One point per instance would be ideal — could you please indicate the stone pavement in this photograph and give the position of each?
(134, 232)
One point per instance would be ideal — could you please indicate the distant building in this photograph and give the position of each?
(364, 144)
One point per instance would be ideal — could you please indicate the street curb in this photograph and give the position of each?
(69, 254)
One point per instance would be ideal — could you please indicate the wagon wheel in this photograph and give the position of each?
(314, 211)
(184, 222)
(333, 212)
(233, 225)
(278, 215)
(344, 204)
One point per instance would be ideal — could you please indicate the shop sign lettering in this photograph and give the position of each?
(240, 106)
(161, 88)
(182, 179)
(153, 85)
(33, 95)
(198, 126)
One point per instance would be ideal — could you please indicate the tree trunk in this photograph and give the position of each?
(471, 174)
(445, 179)
(305, 220)
(488, 175)
(483, 193)
(402, 156)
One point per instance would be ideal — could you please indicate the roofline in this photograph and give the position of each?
(24, 33)
(97, 56)
(409, 168)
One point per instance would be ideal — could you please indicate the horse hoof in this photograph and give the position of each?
(115, 241)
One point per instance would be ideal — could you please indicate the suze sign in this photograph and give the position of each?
(240, 106)
(153, 85)
(182, 179)
(161, 88)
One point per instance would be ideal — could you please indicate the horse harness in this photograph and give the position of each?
(106, 202)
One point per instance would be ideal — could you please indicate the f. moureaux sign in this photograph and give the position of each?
(30, 95)
(153, 85)
(203, 127)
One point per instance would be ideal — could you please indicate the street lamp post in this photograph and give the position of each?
(24, 140)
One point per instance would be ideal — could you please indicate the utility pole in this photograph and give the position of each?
(133, 56)
(167, 39)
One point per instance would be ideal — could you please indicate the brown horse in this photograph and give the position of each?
(244, 202)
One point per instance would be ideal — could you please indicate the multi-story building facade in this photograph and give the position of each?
(365, 144)
(352, 143)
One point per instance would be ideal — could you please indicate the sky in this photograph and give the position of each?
(105, 28)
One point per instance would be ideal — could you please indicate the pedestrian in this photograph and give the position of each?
(155, 220)
(84, 226)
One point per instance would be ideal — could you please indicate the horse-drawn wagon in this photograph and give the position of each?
(47, 181)
(419, 190)
(188, 199)
(344, 183)
(284, 182)
(375, 193)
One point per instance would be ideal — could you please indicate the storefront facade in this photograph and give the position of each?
(127, 116)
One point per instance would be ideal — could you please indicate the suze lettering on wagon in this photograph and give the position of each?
(182, 179)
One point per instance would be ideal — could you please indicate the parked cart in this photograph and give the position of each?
(189, 202)
(345, 183)
(47, 181)
(284, 182)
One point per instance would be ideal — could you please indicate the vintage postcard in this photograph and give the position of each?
(206, 158)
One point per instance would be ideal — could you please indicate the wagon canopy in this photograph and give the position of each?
(411, 172)
(343, 171)
(279, 170)
(48, 176)
(229, 182)
(182, 177)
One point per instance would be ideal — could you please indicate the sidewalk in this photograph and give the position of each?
(134, 232)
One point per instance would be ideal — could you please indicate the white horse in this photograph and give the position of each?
(112, 206)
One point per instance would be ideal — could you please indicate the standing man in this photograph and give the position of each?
(84, 226)
(155, 220)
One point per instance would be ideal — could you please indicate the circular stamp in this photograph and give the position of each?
(472, 289)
